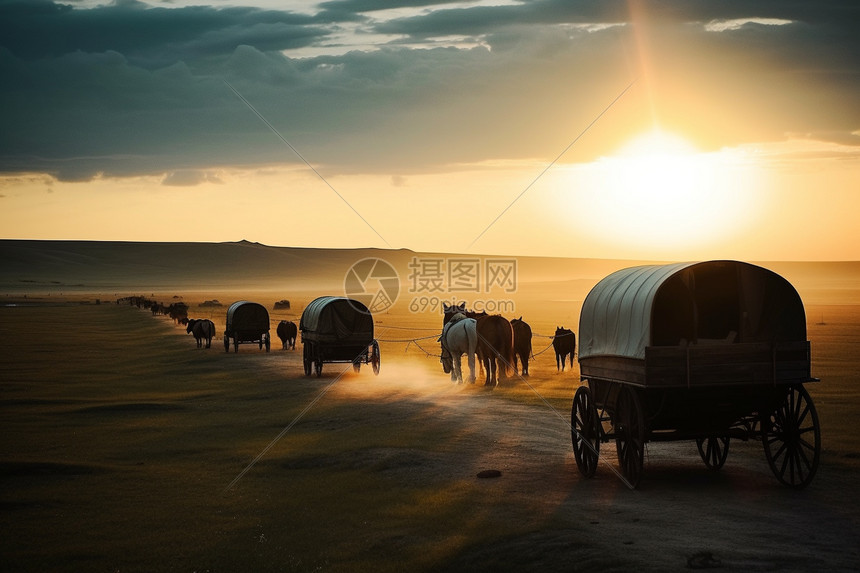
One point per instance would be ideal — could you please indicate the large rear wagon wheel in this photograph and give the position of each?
(226, 342)
(792, 439)
(714, 450)
(585, 431)
(630, 435)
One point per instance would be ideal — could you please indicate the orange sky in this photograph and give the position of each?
(442, 129)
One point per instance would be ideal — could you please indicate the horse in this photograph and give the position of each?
(495, 346)
(564, 343)
(449, 311)
(522, 343)
(287, 332)
(459, 336)
(203, 329)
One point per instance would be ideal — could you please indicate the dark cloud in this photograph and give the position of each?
(150, 37)
(128, 89)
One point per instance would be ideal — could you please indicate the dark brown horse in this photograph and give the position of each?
(495, 346)
(287, 332)
(522, 344)
(450, 310)
(203, 330)
(564, 343)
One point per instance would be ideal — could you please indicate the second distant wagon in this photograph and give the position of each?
(338, 329)
(247, 323)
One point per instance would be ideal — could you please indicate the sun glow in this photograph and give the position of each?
(663, 195)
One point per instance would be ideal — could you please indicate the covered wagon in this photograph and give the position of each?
(247, 323)
(338, 329)
(705, 351)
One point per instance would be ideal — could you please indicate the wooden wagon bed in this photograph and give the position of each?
(706, 365)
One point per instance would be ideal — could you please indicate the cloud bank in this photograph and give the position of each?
(131, 88)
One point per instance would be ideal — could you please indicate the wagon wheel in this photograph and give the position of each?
(306, 359)
(267, 341)
(375, 358)
(792, 438)
(630, 434)
(226, 342)
(236, 343)
(318, 367)
(585, 431)
(713, 450)
(356, 366)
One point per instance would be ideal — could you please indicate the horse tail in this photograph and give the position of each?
(472, 337)
(509, 349)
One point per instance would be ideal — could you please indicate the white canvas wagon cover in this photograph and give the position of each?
(713, 302)
(338, 317)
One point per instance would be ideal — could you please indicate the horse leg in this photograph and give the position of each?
(470, 358)
(557, 365)
(490, 363)
(457, 370)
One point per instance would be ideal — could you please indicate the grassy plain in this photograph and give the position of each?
(123, 447)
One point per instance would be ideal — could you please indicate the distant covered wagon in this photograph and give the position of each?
(338, 329)
(703, 351)
(247, 323)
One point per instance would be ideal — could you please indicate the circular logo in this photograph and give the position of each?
(372, 282)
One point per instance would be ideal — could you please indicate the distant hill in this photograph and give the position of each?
(109, 264)
(26, 264)
(112, 266)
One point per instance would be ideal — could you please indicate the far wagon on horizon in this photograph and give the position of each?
(338, 329)
(247, 323)
(705, 351)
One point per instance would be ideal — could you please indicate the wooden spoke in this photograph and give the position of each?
(585, 431)
(792, 439)
(630, 435)
(713, 450)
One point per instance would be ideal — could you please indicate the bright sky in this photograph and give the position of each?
(683, 131)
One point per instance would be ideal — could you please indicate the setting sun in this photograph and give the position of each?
(658, 190)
